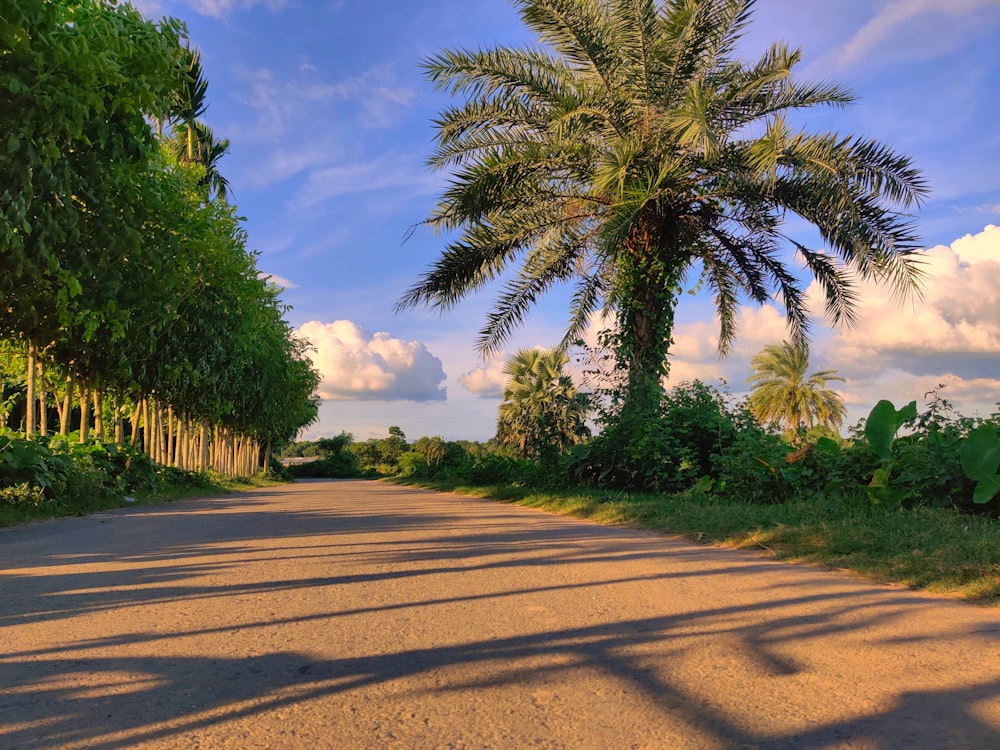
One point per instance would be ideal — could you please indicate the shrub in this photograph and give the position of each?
(670, 450)
(341, 465)
(22, 494)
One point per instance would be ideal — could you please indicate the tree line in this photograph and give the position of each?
(132, 309)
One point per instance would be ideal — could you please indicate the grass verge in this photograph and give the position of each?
(208, 485)
(937, 550)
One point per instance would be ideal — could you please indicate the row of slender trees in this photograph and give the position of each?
(128, 292)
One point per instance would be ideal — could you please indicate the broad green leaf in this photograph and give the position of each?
(883, 423)
(980, 452)
(828, 446)
(986, 489)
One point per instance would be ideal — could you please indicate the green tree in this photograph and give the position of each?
(541, 414)
(783, 395)
(628, 149)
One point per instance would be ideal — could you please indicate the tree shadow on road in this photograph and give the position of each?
(133, 685)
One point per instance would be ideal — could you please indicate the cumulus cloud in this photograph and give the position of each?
(357, 365)
(486, 381)
(959, 317)
(950, 338)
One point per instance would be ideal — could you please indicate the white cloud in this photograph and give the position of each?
(951, 338)
(308, 99)
(918, 28)
(357, 365)
(959, 315)
(485, 381)
(307, 122)
(275, 280)
(390, 172)
(222, 8)
(219, 9)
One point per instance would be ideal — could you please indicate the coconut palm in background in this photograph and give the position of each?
(191, 141)
(542, 414)
(783, 395)
(629, 149)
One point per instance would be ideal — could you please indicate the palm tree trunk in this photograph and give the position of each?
(645, 343)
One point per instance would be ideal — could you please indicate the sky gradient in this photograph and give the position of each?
(330, 121)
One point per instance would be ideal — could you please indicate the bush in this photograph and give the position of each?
(22, 494)
(495, 468)
(31, 462)
(669, 451)
(336, 466)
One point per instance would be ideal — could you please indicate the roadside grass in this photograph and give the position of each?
(207, 486)
(937, 550)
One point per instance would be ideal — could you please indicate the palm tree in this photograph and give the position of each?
(191, 141)
(197, 144)
(783, 395)
(628, 149)
(542, 414)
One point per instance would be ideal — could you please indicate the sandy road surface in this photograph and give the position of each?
(362, 615)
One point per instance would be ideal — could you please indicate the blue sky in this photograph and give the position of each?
(329, 117)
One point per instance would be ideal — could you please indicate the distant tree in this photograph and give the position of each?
(335, 444)
(392, 447)
(542, 414)
(784, 396)
(433, 449)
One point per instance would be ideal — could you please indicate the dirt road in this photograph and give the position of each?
(362, 615)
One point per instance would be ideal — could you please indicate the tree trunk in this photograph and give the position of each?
(136, 412)
(29, 407)
(203, 447)
(171, 447)
(84, 412)
(43, 420)
(98, 415)
(67, 405)
(146, 432)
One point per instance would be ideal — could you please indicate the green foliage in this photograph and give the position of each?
(32, 462)
(122, 262)
(496, 468)
(980, 455)
(541, 414)
(22, 494)
(785, 395)
(669, 450)
(883, 423)
(335, 460)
